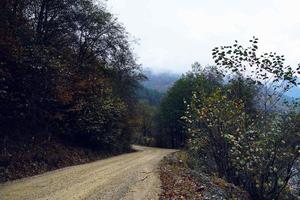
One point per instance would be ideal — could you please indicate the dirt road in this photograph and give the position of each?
(128, 176)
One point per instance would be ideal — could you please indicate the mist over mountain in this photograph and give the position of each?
(294, 92)
(160, 81)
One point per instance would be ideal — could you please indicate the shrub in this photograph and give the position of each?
(258, 159)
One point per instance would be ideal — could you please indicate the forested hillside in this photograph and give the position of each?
(160, 81)
(294, 92)
(68, 76)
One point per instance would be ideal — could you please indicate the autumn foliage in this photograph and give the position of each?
(239, 130)
(66, 72)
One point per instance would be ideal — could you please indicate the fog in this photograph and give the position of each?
(172, 34)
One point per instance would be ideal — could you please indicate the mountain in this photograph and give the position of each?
(160, 81)
(294, 92)
(153, 97)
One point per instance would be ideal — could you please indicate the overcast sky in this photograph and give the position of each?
(173, 34)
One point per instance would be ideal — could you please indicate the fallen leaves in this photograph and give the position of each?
(178, 183)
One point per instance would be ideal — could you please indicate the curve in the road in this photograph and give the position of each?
(128, 176)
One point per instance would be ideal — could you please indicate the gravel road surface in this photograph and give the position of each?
(129, 176)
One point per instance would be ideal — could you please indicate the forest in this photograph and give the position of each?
(68, 75)
(71, 89)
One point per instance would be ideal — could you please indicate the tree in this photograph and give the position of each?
(266, 71)
(239, 88)
(66, 69)
(145, 123)
(173, 105)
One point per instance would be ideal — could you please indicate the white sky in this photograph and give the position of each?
(173, 34)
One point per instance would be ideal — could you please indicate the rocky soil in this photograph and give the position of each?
(181, 182)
